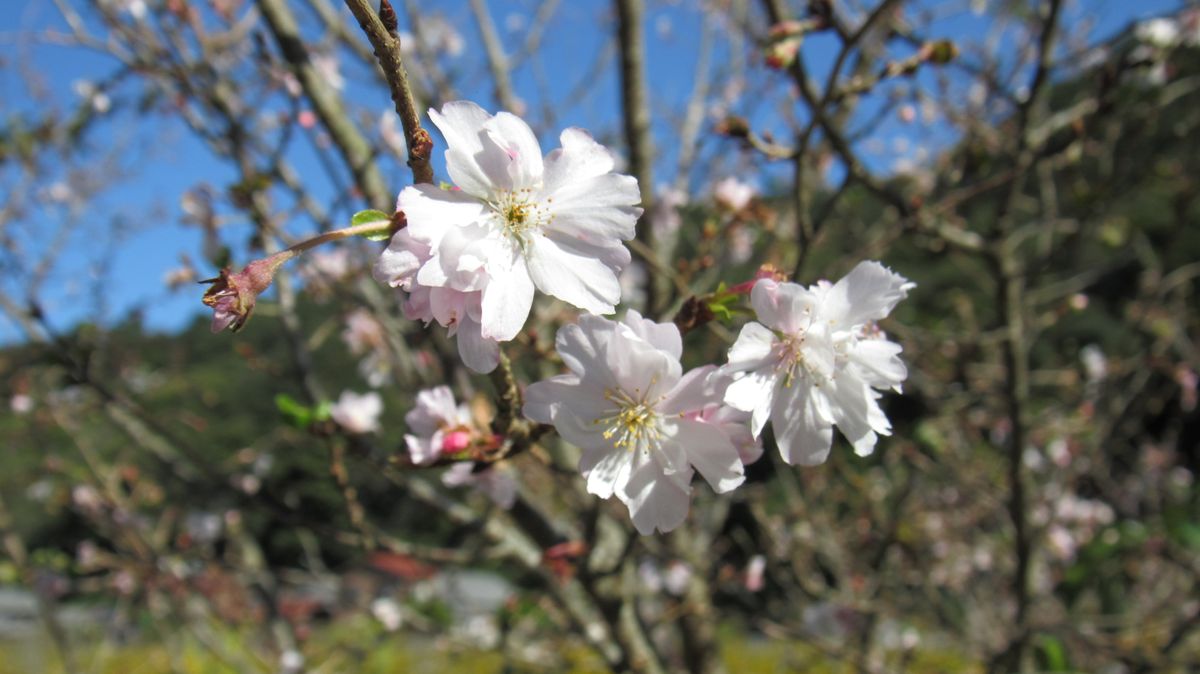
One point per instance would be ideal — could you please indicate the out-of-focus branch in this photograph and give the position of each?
(387, 50)
(497, 59)
(354, 148)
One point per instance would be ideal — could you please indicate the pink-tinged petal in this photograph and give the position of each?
(432, 409)
(878, 361)
(869, 292)
(478, 353)
(711, 453)
(656, 501)
(664, 336)
(692, 393)
(423, 451)
(416, 305)
(753, 349)
(803, 436)
(579, 158)
(449, 306)
(432, 211)
(507, 300)
(398, 264)
(512, 135)
(582, 281)
(606, 471)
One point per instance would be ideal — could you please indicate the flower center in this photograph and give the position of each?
(791, 361)
(633, 422)
(520, 215)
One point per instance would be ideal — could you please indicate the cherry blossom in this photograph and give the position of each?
(733, 195)
(357, 413)
(816, 360)
(519, 221)
(438, 425)
(628, 405)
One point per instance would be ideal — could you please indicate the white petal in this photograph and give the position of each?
(640, 370)
(803, 436)
(507, 300)
(656, 501)
(423, 451)
(606, 471)
(478, 353)
(711, 453)
(664, 336)
(431, 211)
(879, 362)
(475, 163)
(579, 280)
(753, 393)
(855, 411)
(581, 346)
(542, 398)
(868, 292)
(398, 264)
(787, 307)
(753, 348)
(693, 392)
(579, 158)
(514, 136)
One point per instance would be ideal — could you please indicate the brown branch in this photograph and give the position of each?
(387, 51)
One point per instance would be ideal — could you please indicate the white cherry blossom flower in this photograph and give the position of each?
(357, 413)
(630, 408)
(816, 360)
(460, 312)
(520, 221)
(437, 425)
(733, 194)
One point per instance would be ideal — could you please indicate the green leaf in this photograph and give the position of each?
(1053, 655)
(370, 217)
(295, 413)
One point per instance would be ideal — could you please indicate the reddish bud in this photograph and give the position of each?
(232, 296)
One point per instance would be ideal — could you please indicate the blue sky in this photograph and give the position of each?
(155, 159)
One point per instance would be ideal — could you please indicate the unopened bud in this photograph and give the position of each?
(939, 53)
(232, 295)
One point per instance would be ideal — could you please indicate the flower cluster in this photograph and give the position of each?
(644, 426)
(472, 256)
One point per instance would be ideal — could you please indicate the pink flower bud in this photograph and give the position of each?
(456, 441)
